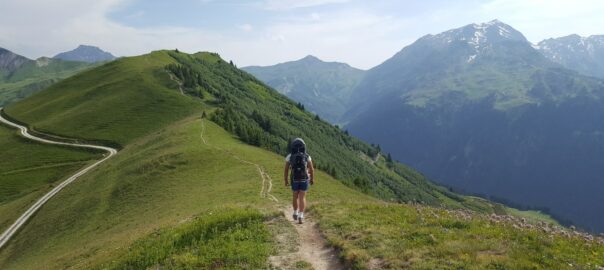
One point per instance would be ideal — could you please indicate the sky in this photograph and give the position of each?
(362, 33)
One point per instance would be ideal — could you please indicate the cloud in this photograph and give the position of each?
(356, 36)
(357, 33)
(61, 25)
(540, 19)
(245, 27)
(294, 4)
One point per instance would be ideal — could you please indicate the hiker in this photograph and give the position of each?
(302, 174)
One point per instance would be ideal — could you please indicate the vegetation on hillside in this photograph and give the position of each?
(111, 104)
(157, 181)
(401, 236)
(220, 239)
(262, 117)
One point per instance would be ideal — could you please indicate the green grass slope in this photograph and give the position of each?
(130, 97)
(36, 75)
(28, 170)
(390, 236)
(116, 102)
(160, 180)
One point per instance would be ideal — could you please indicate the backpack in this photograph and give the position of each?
(298, 160)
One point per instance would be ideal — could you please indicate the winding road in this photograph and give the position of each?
(12, 230)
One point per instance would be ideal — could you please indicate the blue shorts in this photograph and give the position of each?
(300, 185)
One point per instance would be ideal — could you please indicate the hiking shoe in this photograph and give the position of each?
(300, 219)
(295, 215)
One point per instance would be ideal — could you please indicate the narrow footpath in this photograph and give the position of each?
(313, 247)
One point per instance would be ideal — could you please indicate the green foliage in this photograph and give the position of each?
(220, 239)
(416, 237)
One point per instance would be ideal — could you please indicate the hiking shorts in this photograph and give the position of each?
(300, 185)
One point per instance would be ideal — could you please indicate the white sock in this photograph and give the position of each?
(296, 212)
(301, 214)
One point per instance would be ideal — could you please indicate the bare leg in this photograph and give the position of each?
(295, 200)
(302, 200)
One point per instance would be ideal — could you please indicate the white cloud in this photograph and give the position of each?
(353, 36)
(540, 19)
(358, 37)
(61, 25)
(293, 4)
(245, 27)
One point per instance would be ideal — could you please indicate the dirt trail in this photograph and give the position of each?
(312, 247)
(172, 77)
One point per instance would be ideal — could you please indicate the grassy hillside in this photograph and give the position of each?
(131, 97)
(34, 76)
(28, 170)
(391, 236)
(116, 102)
(160, 180)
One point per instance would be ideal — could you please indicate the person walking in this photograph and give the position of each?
(302, 174)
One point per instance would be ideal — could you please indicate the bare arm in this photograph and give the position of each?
(311, 171)
(286, 173)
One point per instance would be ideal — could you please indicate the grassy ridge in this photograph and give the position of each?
(389, 236)
(29, 169)
(116, 102)
(156, 181)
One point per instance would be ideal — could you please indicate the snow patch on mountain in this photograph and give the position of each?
(478, 36)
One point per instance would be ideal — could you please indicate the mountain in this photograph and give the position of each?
(583, 54)
(21, 77)
(197, 184)
(10, 61)
(479, 109)
(85, 53)
(322, 87)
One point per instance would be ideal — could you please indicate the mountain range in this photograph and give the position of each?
(322, 87)
(482, 110)
(583, 54)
